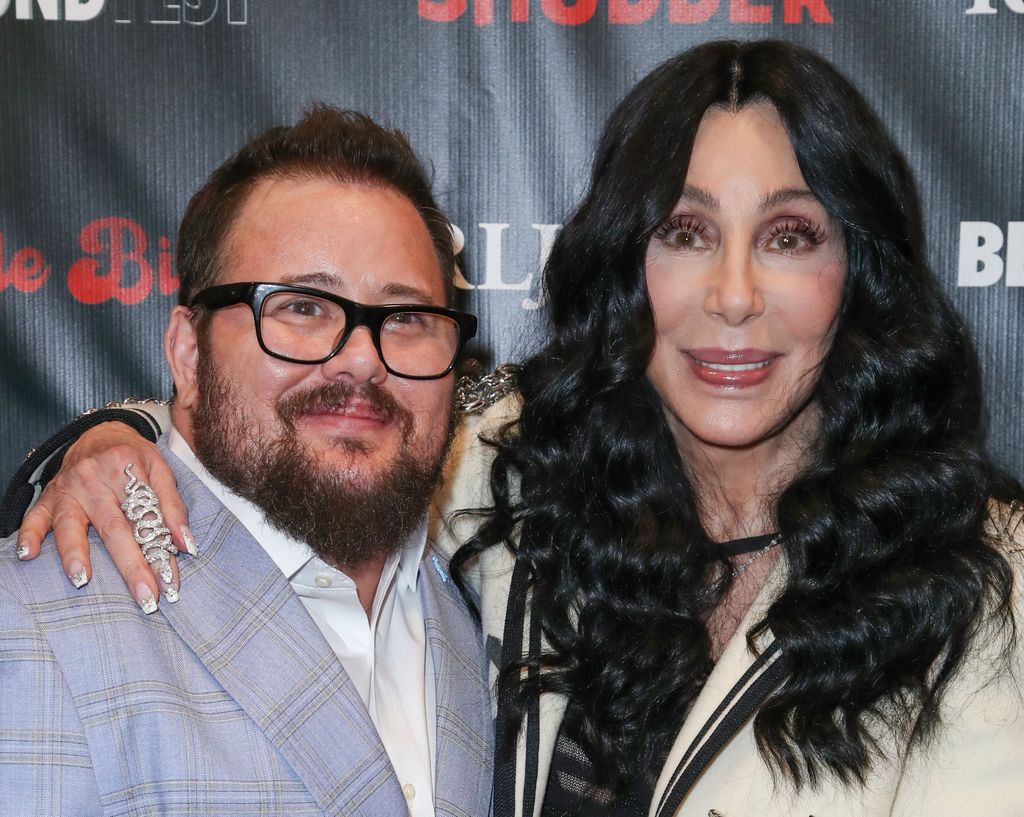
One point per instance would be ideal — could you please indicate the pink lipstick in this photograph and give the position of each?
(733, 368)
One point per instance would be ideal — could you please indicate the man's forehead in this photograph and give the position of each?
(361, 241)
(398, 291)
(281, 194)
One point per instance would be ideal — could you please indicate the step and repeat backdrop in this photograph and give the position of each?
(113, 111)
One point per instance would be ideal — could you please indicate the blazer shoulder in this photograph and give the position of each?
(981, 733)
(996, 652)
(476, 437)
(1005, 526)
(466, 481)
(478, 426)
(40, 580)
(47, 767)
(1005, 529)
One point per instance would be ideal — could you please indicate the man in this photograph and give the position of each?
(321, 660)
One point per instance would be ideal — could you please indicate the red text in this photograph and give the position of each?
(117, 267)
(624, 12)
(26, 272)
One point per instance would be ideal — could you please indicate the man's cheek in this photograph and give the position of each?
(433, 415)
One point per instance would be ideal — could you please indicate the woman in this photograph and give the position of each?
(741, 544)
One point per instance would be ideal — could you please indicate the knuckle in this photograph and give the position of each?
(120, 454)
(38, 514)
(112, 524)
(51, 490)
(83, 472)
(66, 516)
(115, 459)
(136, 569)
(175, 506)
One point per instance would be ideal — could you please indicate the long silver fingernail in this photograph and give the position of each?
(144, 598)
(167, 588)
(22, 551)
(76, 572)
(190, 541)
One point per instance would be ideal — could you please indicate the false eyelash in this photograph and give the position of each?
(801, 227)
(680, 222)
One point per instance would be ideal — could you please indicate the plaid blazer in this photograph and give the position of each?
(229, 702)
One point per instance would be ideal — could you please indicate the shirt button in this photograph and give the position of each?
(323, 581)
(409, 790)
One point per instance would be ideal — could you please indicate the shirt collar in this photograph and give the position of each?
(288, 553)
(411, 556)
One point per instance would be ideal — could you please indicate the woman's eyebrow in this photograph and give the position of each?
(784, 196)
(700, 196)
(709, 201)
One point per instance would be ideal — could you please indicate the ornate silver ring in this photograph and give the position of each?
(142, 507)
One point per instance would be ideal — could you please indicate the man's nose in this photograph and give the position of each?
(734, 291)
(358, 360)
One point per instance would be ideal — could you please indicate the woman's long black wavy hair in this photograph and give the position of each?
(890, 570)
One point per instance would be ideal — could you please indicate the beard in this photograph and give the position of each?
(347, 515)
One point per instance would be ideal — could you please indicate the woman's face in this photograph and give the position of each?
(744, 278)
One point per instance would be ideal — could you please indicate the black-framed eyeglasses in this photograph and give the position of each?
(306, 325)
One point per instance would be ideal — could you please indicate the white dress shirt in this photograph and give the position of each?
(385, 655)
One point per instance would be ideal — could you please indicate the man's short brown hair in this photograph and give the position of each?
(327, 143)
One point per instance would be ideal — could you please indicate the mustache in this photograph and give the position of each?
(328, 396)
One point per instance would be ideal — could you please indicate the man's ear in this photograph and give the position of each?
(181, 347)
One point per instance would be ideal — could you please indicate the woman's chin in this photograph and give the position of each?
(715, 434)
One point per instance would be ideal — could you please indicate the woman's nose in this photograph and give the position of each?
(734, 293)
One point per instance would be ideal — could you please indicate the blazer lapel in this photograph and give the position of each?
(242, 619)
(465, 733)
(735, 661)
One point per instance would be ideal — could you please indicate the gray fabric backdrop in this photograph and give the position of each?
(113, 111)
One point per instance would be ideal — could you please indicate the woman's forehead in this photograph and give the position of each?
(743, 156)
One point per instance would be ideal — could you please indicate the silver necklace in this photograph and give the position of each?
(739, 570)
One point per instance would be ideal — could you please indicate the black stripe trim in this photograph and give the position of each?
(511, 651)
(688, 771)
(739, 547)
(532, 727)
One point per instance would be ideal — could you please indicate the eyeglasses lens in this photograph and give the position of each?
(306, 328)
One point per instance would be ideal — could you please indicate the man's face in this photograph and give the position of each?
(346, 424)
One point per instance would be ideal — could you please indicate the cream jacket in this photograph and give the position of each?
(974, 765)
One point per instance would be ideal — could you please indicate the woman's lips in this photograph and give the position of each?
(735, 368)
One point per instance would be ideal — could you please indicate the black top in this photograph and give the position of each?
(749, 544)
(572, 790)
